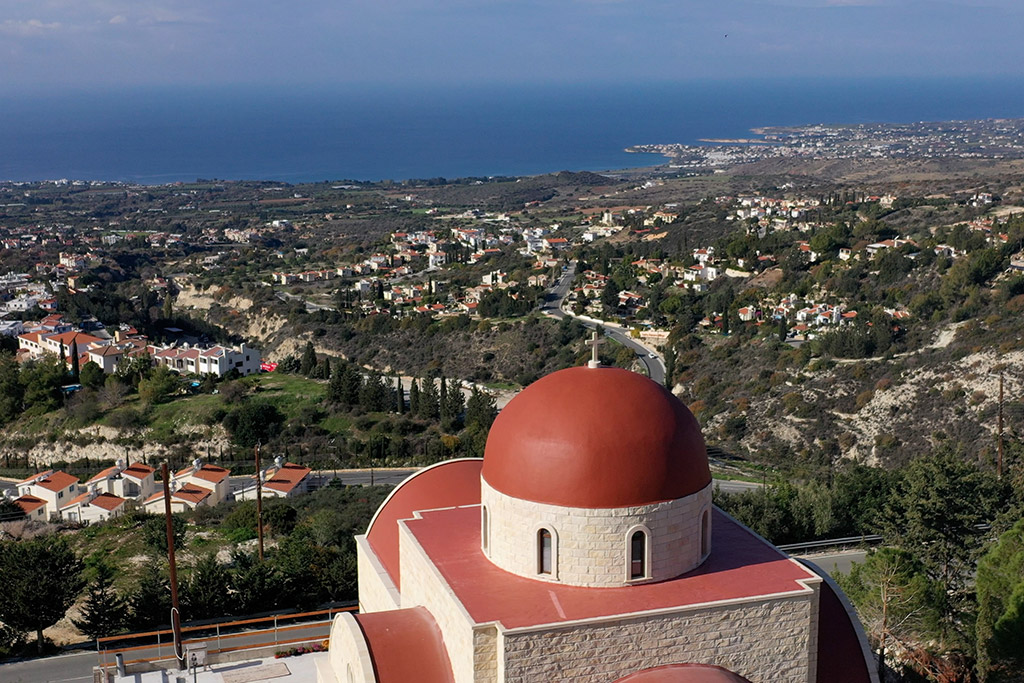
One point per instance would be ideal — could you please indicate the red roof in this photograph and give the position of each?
(684, 673)
(191, 493)
(107, 501)
(57, 481)
(210, 473)
(406, 645)
(596, 438)
(109, 472)
(29, 503)
(741, 565)
(138, 470)
(446, 484)
(287, 477)
(68, 338)
(74, 501)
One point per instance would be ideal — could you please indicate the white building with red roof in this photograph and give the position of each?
(136, 481)
(280, 480)
(53, 486)
(197, 485)
(584, 547)
(93, 506)
(33, 507)
(216, 360)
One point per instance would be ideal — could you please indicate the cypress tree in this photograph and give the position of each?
(326, 372)
(308, 362)
(414, 396)
(75, 370)
(399, 396)
(336, 385)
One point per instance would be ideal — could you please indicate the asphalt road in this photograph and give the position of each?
(77, 667)
(553, 306)
(73, 668)
(839, 562)
(365, 477)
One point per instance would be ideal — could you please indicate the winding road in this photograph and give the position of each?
(553, 306)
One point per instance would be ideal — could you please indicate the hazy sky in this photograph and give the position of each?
(101, 42)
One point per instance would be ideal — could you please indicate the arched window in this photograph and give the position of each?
(544, 550)
(485, 531)
(638, 555)
(705, 533)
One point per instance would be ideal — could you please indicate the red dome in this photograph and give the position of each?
(684, 673)
(596, 438)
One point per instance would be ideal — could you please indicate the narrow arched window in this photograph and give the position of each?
(485, 531)
(705, 533)
(543, 551)
(638, 555)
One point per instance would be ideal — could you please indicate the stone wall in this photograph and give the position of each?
(485, 654)
(376, 591)
(765, 640)
(422, 585)
(591, 546)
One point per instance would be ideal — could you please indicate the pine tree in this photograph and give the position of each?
(103, 613)
(42, 578)
(414, 396)
(480, 410)
(430, 404)
(308, 362)
(149, 604)
(373, 395)
(454, 405)
(352, 385)
(206, 591)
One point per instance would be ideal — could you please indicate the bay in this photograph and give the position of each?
(332, 132)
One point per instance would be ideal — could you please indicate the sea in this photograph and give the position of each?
(294, 134)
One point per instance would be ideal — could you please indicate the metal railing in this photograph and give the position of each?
(219, 636)
(831, 543)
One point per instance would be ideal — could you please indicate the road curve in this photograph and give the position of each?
(553, 306)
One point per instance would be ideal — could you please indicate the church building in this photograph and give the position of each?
(584, 547)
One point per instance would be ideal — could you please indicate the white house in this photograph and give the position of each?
(280, 480)
(136, 481)
(93, 506)
(53, 486)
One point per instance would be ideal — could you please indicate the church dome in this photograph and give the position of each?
(599, 437)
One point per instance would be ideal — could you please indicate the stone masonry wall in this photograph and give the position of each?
(376, 592)
(485, 654)
(422, 585)
(591, 545)
(766, 641)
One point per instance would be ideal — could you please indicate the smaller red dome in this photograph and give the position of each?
(596, 438)
(684, 673)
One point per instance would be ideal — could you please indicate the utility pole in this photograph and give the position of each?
(175, 613)
(259, 501)
(999, 462)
